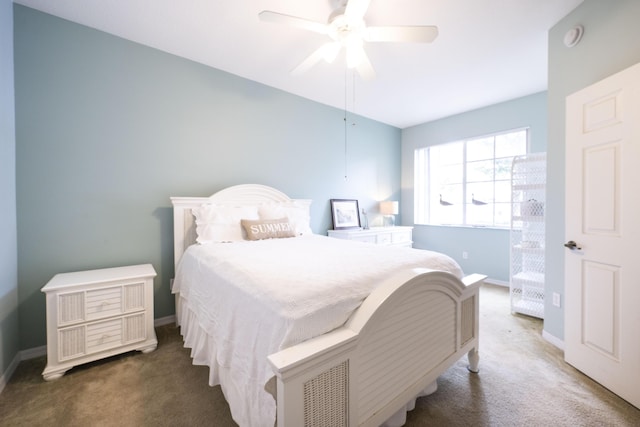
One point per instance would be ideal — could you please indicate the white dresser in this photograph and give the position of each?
(391, 236)
(98, 313)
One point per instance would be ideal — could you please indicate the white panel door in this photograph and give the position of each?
(602, 220)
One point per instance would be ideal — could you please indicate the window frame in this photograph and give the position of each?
(422, 171)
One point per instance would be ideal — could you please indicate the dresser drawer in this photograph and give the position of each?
(95, 337)
(401, 237)
(384, 238)
(365, 238)
(104, 302)
(77, 307)
(104, 335)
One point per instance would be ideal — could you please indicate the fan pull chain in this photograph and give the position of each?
(353, 85)
(345, 125)
(353, 105)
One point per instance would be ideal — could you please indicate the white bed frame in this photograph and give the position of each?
(409, 331)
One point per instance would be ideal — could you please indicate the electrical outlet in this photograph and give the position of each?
(556, 299)
(465, 255)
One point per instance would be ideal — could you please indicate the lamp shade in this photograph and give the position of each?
(389, 208)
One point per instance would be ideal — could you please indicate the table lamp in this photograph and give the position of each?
(389, 209)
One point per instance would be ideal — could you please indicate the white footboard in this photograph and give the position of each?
(409, 331)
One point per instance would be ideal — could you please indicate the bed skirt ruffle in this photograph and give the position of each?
(203, 353)
(246, 410)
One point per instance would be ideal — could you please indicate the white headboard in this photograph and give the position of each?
(184, 228)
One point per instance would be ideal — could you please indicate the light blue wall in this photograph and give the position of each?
(488, 249)
(8, 243)
(610, 44)
(107, 130)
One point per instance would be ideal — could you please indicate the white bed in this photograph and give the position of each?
(354, 348)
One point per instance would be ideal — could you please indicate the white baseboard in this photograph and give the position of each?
(32, 353)
(164, 320)
(553, 340)
(6, 375)
(496, 282)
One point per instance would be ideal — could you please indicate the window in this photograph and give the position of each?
(467, 182)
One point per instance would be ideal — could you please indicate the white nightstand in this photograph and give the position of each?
(391, 236)
(98, 313)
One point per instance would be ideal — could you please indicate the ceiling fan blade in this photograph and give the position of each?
(330, 51)
(294, 21)
(323, 52)
(410, 34)
(356, 9)
(365, 69)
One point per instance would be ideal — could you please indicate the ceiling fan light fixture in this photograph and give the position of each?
(354, 50)
(347, 28)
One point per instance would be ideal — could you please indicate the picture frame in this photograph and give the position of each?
(345, 214)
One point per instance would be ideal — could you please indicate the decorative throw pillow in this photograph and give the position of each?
(268, 228)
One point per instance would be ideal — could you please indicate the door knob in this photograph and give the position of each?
(572, 245)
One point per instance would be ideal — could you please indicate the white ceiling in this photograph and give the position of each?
(487, 51)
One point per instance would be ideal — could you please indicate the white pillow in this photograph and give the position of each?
(220, 223)
(296, 211)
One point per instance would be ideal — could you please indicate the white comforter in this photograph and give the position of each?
(243, 301)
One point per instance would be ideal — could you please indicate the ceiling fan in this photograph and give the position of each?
(346, 28)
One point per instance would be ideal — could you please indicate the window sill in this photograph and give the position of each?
(482, 227)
